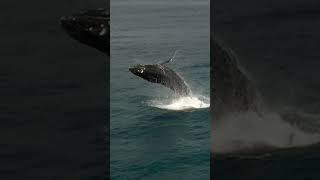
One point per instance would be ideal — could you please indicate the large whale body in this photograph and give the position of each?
(91, 27)
(161, 74)
(231, 89)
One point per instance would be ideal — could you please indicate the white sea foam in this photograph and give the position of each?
(181, 103)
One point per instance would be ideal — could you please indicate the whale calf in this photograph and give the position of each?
(91, 27)
(162, 74)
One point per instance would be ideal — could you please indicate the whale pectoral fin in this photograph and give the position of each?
(171, 59)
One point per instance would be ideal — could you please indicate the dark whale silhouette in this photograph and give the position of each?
(90, 27)
(161, 74)
(231, 89)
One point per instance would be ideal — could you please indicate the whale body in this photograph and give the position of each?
(161, 74)
(91, 27)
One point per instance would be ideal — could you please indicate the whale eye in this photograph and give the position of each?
(140, 70)
(103, 32)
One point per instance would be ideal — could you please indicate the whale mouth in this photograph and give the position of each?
(131, 69)
(68, 24)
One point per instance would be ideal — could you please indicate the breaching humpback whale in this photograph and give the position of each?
(90, 27)
(231, 89)
(162, 74)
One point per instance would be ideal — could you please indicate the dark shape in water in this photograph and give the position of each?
(231, 89)
(161, 74)
(91, 27)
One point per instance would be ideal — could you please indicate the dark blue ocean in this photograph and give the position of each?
(154, 134)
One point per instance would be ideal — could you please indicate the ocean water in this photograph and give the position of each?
(276, 42)
(154, 134)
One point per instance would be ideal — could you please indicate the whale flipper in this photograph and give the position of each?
(170, 60)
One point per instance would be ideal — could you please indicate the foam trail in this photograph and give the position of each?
(181, 103)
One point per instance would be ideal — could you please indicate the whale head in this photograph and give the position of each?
(161, 74)
(152, 73)
(89, 27)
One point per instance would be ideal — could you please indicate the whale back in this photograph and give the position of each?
(175, 82)
(231, 89)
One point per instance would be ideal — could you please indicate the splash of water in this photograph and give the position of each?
(181, 103)
(250, 131)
